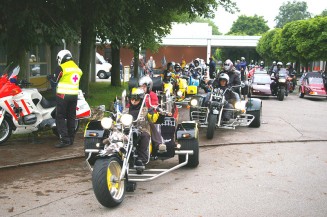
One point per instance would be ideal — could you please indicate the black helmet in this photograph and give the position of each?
(170, 65)
(177, 67)
(196, 62)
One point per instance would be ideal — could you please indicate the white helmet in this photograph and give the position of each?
(63, 56)
(223, 76)
(148, 81)
(228, 65)
(280, 64)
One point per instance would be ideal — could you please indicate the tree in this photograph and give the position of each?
(291, 12)
(249, 25)
(264, 46)
(324, 13)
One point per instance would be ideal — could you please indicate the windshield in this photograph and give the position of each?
(262, 79)
(313, 80)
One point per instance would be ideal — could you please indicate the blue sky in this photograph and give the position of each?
(269, 9)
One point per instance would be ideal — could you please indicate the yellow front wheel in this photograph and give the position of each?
(108, 189)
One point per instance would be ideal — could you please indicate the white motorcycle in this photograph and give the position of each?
(25, 110)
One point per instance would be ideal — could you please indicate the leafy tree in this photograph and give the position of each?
(249, 25)
(264, 46)
(292, 11)
(324, 13)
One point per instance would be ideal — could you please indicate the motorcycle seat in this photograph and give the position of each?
(47, 103)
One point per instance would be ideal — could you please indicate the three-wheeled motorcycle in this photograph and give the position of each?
(110, 151)
(207, 112)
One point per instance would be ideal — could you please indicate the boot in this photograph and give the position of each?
(63, 143)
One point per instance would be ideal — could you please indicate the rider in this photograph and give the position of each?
(178, 69)
(136, 98)
(272, 67)
(151, 103)
(262, 65)
(273, 75)
(291, 73)
(67, 77)
(212, 68)
(230, 96)
(233, 74)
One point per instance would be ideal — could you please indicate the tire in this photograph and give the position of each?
(89, 143)
(190, 144)
(281, 94)
(102, 74)
(257, 118)
(212, 120)
(108, 194)
(5, 130)
(55, 131)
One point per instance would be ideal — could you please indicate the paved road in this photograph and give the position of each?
(280, 171)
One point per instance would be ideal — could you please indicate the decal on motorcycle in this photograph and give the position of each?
(11, 110)
(25, 107)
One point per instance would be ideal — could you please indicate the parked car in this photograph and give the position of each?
(260, 85)
(102, 67)
(312, 84)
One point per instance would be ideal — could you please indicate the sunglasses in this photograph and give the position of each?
(135, 99)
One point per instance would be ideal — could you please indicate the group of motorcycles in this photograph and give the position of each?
(25, 110)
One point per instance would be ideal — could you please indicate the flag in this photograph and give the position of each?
(163, 61)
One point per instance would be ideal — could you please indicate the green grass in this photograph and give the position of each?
(102, 93)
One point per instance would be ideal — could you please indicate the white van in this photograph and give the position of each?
(102, 67)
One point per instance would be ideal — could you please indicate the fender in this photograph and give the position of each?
(94, 129)
(253, 104)
(187, 130)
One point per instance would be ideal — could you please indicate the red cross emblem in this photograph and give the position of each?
(75, 78)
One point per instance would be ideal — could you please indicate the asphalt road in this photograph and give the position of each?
(278, 169)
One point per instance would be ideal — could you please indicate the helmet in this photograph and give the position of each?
(280, 64)
(192, 65)
(228, 65)
(170, 65)
(274, 63)
(63, 56)
(186, 67)
(177, 67)
(262, 64)
(196, 62)
(167, 75)
(223, 76)
(243, 58)
(148, 81)
(136, 93)
(288, 64)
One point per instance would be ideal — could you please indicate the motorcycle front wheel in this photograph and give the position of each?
(5, 130)
(212, 120)
(108, 189)
(281, 94)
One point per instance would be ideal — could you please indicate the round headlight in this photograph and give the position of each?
(238, 105)
(179, 93)
(106, 123)
(194, 102)
(126, 120)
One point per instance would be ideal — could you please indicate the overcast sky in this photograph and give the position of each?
(269, 9)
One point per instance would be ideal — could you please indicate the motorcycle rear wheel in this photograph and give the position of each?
(5, 130)
(108, 190)
(193, 145)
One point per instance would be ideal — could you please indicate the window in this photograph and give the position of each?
(38, 65)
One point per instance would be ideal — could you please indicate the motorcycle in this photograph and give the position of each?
(208, 111)
(25, 110)
(110, 151)
(279, 84)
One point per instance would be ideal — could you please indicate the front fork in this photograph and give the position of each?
(2, 114)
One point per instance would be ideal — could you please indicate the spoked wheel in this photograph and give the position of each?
(108, 189)
(5, 130)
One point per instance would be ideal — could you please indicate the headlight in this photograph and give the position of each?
(282, 80)
(238, 105)
(194, 102)
(179, 93)
(126, 120)
(106, 123)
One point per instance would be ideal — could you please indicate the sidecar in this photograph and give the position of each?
(113, 174)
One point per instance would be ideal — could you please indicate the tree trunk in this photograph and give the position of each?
(136, 63)
(115, 71)
(87, 43)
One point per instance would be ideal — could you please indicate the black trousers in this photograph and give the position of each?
(143, 147)
(65, 117)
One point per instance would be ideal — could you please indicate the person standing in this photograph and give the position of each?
(67, 76)
(212, 68)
